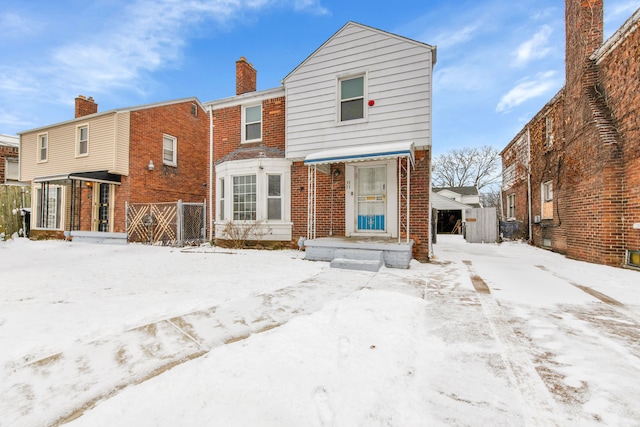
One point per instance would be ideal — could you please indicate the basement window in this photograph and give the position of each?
(633, 258)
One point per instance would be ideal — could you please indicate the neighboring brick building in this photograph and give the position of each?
(579, 161)
(84, 171)
(9, 149)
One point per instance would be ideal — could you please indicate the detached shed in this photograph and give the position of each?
(450, 212)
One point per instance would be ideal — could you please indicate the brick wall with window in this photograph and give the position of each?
(166, 183)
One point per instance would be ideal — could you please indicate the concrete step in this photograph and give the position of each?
(358, 259)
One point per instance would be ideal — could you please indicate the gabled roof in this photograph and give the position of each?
(443, 203)
(355, 24)
(118, 110)
(463, 191)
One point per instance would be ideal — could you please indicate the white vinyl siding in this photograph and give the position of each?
(108, 140)
(398, 80)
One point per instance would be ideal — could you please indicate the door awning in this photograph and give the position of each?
(361, 153)
(95, 176)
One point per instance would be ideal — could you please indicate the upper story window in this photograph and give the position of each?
(82, 140)
(194, 110)
(351, 98)
(43, 147)
(170, 150)
(548, 131)
(252, 123)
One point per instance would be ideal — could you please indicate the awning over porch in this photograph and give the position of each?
(362, 153)
(95, 176)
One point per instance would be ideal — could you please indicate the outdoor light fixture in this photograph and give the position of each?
(150, 165)
(89, 184)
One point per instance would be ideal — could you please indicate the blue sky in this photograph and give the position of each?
(498, 63)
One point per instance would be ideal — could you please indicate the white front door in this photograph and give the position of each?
(371, 198)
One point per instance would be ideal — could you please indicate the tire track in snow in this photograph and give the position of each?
(534, 395)
(60, 388)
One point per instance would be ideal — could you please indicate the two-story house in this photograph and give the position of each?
(358, 133)
(85, 171)
(571, 176)
(339, 156)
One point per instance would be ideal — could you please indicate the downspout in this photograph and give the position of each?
(211, 224)
(529, 184)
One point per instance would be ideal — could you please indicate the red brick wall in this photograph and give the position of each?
(546, 165)
(326, 221)
(165, 183)
(420, 191)
(6, 151)
(515, 156)
(619, 71)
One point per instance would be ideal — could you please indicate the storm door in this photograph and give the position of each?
(103, 211)
(371, 201)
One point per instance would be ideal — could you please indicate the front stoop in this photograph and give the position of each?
(358, 259)
(99, 237)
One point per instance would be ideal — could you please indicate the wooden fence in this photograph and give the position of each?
(12, 199)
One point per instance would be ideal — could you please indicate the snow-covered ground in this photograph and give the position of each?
(485, 334)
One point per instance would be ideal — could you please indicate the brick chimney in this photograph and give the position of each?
(85, 106)
(584, 34)
(245, 76)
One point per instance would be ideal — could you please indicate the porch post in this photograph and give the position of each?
(311, 202)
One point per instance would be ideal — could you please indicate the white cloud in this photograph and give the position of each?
(527, 89)
(537, 47)
(449, 39)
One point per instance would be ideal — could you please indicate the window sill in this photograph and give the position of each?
(351, 122)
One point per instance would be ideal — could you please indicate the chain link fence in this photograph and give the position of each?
(171, 224)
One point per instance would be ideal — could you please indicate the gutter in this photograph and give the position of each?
(210, 173)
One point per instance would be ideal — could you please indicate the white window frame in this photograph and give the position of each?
(546, 197)
(339, 99)
(235, 215)
(269, 197)
(548, 126)
(221, 193)
(55, 209)
(174, 147)
(246, 123)
(41, 147)
(11, 173)
(547, 191)
(261, 167)
(79, 140)
(511, 205)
